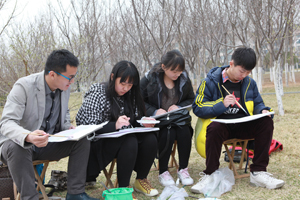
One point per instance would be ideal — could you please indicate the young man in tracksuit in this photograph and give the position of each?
(214, 101)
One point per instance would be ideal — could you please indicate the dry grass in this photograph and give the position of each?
(284, 165)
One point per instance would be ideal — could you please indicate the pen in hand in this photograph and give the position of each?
(236, 101)
(122, 121)
(32, 133)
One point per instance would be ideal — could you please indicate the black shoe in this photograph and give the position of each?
(82, 196)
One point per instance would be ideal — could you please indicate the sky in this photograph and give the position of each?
(26, 9)
(32, 7)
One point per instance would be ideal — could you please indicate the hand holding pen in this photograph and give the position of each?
(38, 137)
(232, 100)
(122, 121)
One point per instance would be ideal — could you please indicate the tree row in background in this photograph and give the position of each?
(101, 33)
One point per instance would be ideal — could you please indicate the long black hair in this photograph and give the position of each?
(171, 60)
(133, 101)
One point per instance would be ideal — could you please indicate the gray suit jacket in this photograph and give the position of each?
(25, 107)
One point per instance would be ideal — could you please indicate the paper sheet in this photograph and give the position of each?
(146, 121)
(242, 119)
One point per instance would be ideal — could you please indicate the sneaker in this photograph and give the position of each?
(166, 179)
(265, 179)
(184, 177)
(143, 186)
(203, 181)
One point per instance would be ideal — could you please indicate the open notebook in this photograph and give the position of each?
(77, 133)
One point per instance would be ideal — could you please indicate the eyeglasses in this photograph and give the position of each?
(70, 79)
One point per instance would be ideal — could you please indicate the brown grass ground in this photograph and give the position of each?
(284, 165)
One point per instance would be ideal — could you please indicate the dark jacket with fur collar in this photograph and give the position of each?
(151, 90)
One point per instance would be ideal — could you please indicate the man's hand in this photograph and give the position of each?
(40, 140)
(265, 111)
(229, 100)
(72, 127)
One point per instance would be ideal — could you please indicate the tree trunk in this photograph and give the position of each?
(271, 69)
(286, 71)
(191, 75)
(280, 80)
(290, 73)
(278, 86)
(259, 74)
(271, 74)
(254, 72)
(293, 73)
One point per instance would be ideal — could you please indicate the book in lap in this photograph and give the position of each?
(122, 132)
(188, 107)
(243, 119)
(76, 134)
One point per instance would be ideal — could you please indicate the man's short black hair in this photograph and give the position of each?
(245, 57)
(59, 59)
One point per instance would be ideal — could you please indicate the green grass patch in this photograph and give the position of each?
(284, 165)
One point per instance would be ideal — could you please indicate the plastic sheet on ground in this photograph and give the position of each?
(173, 193)
(222, 181)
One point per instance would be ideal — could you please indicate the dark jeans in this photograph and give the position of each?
(19, 161)
(183, 135)
(261, 130)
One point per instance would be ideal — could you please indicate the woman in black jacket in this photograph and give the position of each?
(164, 88)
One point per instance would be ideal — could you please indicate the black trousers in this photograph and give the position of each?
(166, 138)
(133, 152)
(19, 161)
(261, 130)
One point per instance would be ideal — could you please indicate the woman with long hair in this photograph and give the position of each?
(167, 87)
(119, 102)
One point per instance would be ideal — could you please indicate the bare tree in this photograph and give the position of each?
(6, 20)
(274, 31)
(214, 29)
(82, 28)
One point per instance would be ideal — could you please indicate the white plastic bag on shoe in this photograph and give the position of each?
(167, 192)
(173, 193)
(179, 194)
(223, 180)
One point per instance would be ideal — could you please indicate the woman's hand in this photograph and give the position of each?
(172, 107)
(160, 111)
(122, 121)
(148, 125)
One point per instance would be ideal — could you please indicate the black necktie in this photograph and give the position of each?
(51, 112)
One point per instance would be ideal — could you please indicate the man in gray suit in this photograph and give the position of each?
(38, 104)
